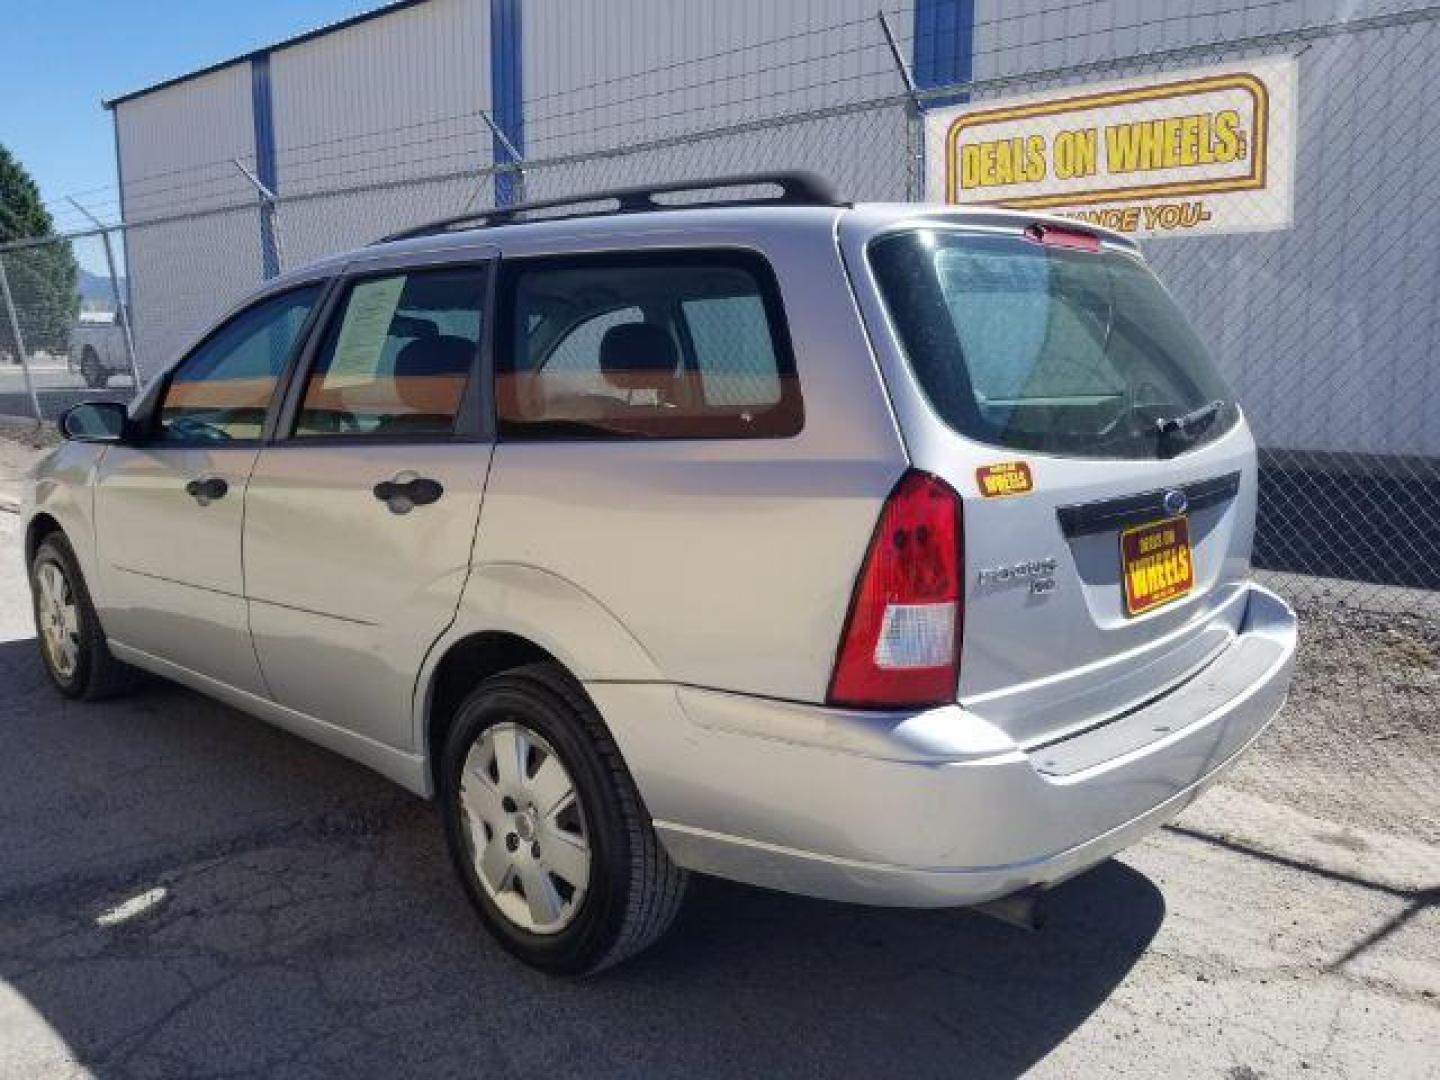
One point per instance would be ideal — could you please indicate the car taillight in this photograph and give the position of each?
(901, 643)
(1054, 236)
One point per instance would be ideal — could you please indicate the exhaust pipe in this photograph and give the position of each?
(1023, 909)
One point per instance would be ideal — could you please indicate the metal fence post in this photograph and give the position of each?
(122, 313)
(122, 309)
(516, 158)
(271, 220)
(19, 342)
(914, 117)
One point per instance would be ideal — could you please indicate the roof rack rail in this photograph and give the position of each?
(796, 189)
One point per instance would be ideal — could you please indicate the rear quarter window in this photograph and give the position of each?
(641, 346)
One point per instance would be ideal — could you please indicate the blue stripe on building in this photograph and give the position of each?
(506, 86)
(944, 45)
(264, 113)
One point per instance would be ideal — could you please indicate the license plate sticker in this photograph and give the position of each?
(1156, 566)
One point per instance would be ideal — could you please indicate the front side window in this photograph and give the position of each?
(667, 345)
(222, 390)
(1048, 349)
(396, 359)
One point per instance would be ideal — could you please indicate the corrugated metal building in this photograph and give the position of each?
(375, 123)
(393, 97)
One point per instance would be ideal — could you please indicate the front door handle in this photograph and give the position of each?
(207, 490)
(408, 491)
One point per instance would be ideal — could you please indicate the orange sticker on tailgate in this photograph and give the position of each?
(1004, 478)
(1155, 564)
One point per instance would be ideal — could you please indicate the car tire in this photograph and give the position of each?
(95, 376)
(72, 643)
(498, 826)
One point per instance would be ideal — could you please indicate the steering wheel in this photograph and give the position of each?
(192, 427)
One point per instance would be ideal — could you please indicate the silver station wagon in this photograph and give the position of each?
(890, 554)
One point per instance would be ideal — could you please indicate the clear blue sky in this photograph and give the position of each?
(60, 57)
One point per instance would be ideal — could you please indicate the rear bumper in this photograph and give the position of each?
(936, 808)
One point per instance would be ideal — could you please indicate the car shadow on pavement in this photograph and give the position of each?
(185, 891)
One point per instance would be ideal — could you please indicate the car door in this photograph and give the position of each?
(361, 514)
(168, 508)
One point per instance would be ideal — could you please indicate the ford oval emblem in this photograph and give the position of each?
(1175, 502)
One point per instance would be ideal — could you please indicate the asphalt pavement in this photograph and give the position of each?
(188, 892)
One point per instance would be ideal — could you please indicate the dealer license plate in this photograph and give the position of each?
(1156, 566)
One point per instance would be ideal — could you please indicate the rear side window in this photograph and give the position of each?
(397, 358)
(1049, 349)
(689, 345)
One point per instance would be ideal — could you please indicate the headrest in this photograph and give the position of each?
(430, 372)
(438, 355)
(410, 326)
(638, 356)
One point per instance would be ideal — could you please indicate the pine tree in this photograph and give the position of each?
(42, 278)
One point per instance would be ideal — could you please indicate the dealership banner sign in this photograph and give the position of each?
(1179, 153)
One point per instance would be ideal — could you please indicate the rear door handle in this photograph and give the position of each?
(408, 491)
(207, 489)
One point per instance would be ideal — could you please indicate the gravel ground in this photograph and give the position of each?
(20, 437)
(21, 441)
(187, 892)
(1366, 704)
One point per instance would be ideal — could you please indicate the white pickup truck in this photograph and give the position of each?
(97, 348)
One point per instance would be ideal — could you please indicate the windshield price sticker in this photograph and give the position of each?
(1005, 478)
(1200, 151)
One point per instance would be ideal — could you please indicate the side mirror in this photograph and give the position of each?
(95, 421)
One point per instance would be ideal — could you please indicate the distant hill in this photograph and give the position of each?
(95, 289)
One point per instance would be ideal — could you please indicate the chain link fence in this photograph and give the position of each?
(63, 328)
(1326, 330)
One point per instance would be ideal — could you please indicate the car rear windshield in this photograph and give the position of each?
(1050, 349)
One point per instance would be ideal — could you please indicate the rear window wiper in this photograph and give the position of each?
(1185, 423)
